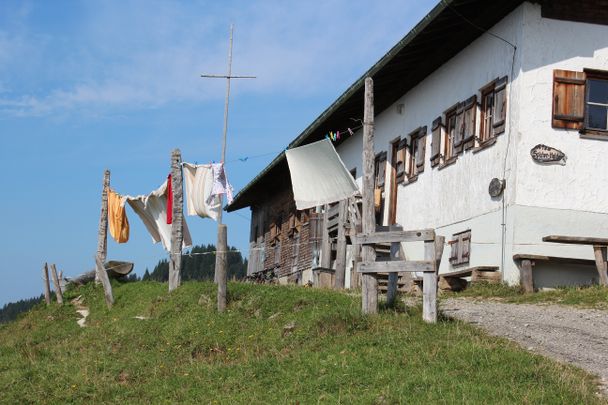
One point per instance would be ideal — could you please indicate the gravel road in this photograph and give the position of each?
(576, 336)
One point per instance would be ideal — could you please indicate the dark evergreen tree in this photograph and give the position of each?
(10, 311)
(199, 264)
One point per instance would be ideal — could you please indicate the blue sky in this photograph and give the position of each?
(89, 85)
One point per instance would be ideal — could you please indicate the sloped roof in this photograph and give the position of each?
(441, 34)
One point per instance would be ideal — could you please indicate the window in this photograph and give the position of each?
(450, 132)
(597, 104)
(493, 109)
(460, 248)
(580, 101)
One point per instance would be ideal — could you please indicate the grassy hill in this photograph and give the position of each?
(274, 345)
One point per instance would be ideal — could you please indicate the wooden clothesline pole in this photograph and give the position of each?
(47, 287)
(222, 231)
(102, 243)
(177, 224)
(102, 233)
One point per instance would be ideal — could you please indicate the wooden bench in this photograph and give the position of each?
(454, 281)
(525, 262)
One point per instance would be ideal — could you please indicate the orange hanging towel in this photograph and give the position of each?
(117, 217)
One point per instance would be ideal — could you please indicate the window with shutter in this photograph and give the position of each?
(460, 248)
(568, 99)
(400, 160)
(493, 110)
(459, 129)
(436, 142)
(470, 115)
(487, 112)
(450, 133)
(420, 149)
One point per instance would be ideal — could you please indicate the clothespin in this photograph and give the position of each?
(338, 135)
(327, 137)
(350, 132)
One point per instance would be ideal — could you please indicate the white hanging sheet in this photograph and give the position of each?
(199, 186)
(318, 175)
(152, 209)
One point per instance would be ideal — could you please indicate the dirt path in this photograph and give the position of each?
(576, 336)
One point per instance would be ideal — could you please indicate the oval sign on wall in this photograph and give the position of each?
(547, 155)
(496, 187)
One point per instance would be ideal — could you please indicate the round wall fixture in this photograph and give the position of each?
(496, 187)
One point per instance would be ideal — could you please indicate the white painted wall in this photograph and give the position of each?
(539, 200)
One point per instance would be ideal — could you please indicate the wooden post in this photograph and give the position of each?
(47, 287)
(221, 266)
(102, 233)
(369, 283)
(177, 235)
(102, 275)
(600, 262)
(56, 284)
(429, 284)
(325, 242)
(525, 276)
(341, 245)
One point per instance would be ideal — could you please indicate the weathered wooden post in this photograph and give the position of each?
(221, 263)
(102, 233)
(341, 245)
(56, 284)
(102, 276)
(177, 235)
(433, 250)
(369, 283)
(47, 287)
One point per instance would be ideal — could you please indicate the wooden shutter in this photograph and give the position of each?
(400, 160)
(436, 142)
(453, 250)
(470, 113)
(500, 106)
(568, 99)
(420, 149)
(465, 247)
(459, 129)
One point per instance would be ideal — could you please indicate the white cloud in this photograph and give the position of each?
(146, 54)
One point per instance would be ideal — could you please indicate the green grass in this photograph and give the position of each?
(187, 353)
(586, 297)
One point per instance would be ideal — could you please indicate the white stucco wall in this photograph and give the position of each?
(454, 198)
(570, 199)
(538, 200)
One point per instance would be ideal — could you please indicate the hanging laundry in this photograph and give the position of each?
(220, 183)
(318, 175)
(117, 217)
(199, 185)
(152, 209)
(169, 201)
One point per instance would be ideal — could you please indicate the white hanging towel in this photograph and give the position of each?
(152, 209)
(199, 187)
(318, 175)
